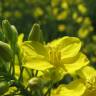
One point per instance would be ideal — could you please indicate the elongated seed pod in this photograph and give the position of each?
(5, 51)
(36, 34)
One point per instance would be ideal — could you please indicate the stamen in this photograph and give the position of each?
(54, 56)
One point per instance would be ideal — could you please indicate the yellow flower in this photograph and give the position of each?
(82, 8)
(63, 15)
(61, 27)
(38, 12)
(84, 86)
(63, 53)
(75, 88)
(88, 77)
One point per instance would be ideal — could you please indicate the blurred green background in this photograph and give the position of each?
(57, 18)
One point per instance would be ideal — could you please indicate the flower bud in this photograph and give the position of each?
(5, 51)
(35, 83)
(7, 29)
(14, 34)
(10, 31)
(36, 34)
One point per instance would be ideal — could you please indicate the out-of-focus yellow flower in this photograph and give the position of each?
(38, 12)
(79, 19)
(83, 33)
(63, 15)
(87, 21)
(61, 27)
(94, 38)
(55, 11)
(7, 14)
(17, 14)
(64, 5)
(90, 28)
(54, 2)
(93, 59)
(82, 8)
(75, 15)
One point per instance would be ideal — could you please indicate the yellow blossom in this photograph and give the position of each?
(63, 53)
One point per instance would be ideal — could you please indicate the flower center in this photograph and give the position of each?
(91, 85)
(54, 56)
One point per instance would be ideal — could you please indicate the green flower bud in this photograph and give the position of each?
(35, 83)
(10, 31)
(4, 86)
(14, 34)
(36, 34)
(14, 37)
(7, 29)
(5, 51)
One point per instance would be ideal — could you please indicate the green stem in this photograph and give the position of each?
(13, 62)
(12, 67)
(36, 73)
(20, 65)
(32, 71)
(49, 90)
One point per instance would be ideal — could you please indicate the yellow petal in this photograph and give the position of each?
(88, 76)
(20, 39)
(69, 46)
(37, 64)
(79, 62)
(87, 73)
(75, 88)
(34, 49)
(35, 56)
